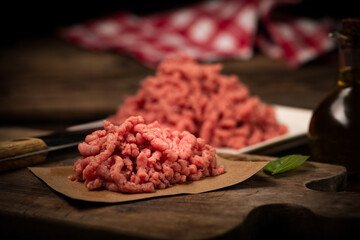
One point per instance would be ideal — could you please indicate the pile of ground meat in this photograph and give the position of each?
(186, 95)
(137, 157)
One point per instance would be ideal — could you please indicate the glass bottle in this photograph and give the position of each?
(334, 130)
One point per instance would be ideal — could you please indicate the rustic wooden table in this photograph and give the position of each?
(47, 84)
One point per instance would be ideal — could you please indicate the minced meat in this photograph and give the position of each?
(137, 157)
(193, 97)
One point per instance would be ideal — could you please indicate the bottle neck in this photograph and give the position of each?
(349, 66)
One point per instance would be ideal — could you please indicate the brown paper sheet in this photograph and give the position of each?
(236, 172)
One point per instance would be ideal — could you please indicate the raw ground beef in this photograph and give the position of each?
(137, 157)
(185, 95)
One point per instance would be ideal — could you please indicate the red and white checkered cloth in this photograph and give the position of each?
(211, 30)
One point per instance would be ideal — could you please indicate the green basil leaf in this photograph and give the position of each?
(285, 164)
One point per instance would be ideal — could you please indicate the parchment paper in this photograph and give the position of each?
(236, 172)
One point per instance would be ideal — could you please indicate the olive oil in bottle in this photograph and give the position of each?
(334, 131)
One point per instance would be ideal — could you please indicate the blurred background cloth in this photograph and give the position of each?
(208, 31)
(46, 79)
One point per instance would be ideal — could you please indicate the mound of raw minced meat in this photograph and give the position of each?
(186, 95)
(137, 157)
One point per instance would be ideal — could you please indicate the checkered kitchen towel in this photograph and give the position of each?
(210, 30)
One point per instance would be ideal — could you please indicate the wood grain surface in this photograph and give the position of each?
(299, 202)
(10, 148)
(19, 146)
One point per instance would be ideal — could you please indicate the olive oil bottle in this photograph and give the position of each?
(334, 130)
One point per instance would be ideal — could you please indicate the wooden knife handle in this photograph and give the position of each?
(12, 148)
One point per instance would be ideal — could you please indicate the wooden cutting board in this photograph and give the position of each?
(303, 203)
